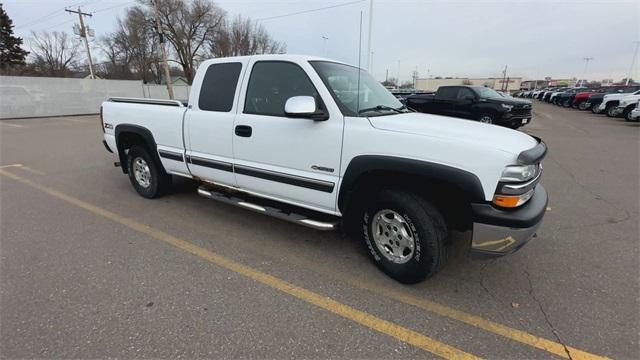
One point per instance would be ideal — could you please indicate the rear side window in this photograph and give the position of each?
(464, 93)
(448, 93)
(219, 87)
(272, 83)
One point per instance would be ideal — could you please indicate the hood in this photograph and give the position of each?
(610, 97)
(508, 101)
(454, 129)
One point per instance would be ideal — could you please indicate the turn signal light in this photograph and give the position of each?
(506, 201)
(512, 201)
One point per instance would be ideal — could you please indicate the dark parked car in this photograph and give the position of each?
(474, 102)
(566, 98)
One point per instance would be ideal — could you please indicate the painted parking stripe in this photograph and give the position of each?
(385, 327)
(523, 337)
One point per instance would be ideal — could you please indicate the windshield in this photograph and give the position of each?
(342, 81)
(486, 93)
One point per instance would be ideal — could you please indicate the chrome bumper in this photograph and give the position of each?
(492, 240)
(499, 232)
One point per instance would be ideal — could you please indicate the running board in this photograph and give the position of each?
(279, 213)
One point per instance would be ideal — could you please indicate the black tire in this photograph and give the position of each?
(582, 105)
(594, 108)
(159, 182)
(627, 113)
(486, 118)
(424, 224)
(609, 110)
(566, 103)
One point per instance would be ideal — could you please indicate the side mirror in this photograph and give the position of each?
(304, 107)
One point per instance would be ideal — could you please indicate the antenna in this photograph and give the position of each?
(359, 70)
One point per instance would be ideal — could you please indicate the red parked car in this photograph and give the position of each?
(580, 100)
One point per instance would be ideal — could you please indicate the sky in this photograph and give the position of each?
(471, 38)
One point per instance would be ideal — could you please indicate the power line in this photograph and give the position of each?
(50, 16)
(309, 11)
(114, 6)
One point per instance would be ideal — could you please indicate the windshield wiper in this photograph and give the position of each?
(399, 110)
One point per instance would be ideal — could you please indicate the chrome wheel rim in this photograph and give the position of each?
(393, 236)
(486, 119)
(141, 172)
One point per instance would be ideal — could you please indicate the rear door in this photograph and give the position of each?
(445, 99)
(295, 160)
(209, 121)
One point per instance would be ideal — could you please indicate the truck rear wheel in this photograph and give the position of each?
(145, 174)
(405, 236)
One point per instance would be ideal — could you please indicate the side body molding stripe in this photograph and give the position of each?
(214, 164)
(309, 183)
(324, 186)
(170, 155)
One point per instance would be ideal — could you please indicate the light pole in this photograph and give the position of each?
(584, 72)
(324, 45)
(633, 61)
(398, 77)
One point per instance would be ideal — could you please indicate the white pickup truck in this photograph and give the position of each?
(611, 102)
(322, 143)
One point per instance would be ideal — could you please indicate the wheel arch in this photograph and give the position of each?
(447, 186)
(128, 135)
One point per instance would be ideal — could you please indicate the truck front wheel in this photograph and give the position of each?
(146, 176)
(486, 118)
(405, 235)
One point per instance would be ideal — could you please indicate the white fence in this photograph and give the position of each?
(22, 96)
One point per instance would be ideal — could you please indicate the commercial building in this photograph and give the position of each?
(512, 83)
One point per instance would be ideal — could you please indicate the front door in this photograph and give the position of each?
(295, 160)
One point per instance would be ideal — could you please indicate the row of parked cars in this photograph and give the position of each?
(613, 101)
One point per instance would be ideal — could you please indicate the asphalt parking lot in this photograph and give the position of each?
(91, 270)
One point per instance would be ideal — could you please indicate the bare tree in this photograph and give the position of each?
(243, 37)
(55, 53)
(189, 26)
(131, 49)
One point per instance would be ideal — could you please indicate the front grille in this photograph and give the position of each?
(521, 112)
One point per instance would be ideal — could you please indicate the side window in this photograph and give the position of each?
(448, 93)
(272, 83)
(465, 93)
(219, 87)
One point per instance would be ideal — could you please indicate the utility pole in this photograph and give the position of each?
(369, 53)
(504, 78)
(83, 33)
(584, 72)
(167, 74)
(633, 61)
(386, 78)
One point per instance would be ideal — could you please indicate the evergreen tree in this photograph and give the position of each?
(11, 54)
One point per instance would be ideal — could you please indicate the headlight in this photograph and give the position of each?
(507, 107)
(518, 173)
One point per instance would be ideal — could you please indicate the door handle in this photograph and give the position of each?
(243, 130)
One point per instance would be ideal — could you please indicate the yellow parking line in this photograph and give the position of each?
(385, 327)
(520, 336)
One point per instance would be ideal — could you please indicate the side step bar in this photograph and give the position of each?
(269, 210)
